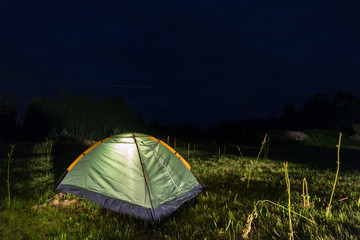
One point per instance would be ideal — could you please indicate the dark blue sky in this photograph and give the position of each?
(178, 61)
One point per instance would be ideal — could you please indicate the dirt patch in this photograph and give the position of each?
(60, 200)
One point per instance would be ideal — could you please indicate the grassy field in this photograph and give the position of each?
(242, 196)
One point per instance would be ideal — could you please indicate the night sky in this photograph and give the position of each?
(177, 61)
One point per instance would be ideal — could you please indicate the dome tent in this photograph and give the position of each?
(132, 173)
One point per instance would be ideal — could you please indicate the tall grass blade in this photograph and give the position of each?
(289, 199)
(188, 151)
(336, 176)
(49, 152)
(8, 172)
(262, 146)
(242, 156)
(254, 215)
(266, 153)
(305, 195)
(249, 176)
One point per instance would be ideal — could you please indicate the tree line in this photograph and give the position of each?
(319, 112)
(66, 116)
(85, 117)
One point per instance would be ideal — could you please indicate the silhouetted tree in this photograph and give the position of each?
(317, 113)
(83, 117)
(8, 118)
(116, 114)
(155, 129)
(347, 109)
(288, 120)
(40, 118)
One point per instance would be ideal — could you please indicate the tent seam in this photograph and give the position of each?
(163, 165)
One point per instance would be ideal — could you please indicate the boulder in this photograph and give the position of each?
(285, 135)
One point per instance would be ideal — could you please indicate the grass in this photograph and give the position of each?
(222, 212)
(327, 138)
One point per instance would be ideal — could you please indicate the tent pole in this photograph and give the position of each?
(197, 176)
(60, 179)
(147, 186)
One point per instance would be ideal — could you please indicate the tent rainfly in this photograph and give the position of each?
(132, 173)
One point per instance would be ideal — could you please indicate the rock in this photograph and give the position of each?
(355, 137)
(283, 135)
(356, 127)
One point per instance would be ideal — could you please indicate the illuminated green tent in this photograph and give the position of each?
(132, 173)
